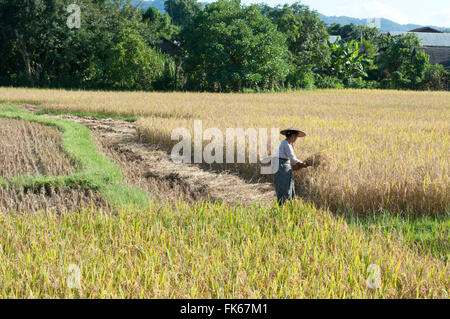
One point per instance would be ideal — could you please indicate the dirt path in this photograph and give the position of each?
(153, 170)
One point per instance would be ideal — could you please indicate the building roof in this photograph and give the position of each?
(438, 55)
(167, 46)
(430, 39)
(334, 38)
(426, 30)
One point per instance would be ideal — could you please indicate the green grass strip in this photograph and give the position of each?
(3, 182)
(95, 171)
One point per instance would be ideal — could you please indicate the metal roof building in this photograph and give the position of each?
(435, 44)
(430, 39)
(438, 55)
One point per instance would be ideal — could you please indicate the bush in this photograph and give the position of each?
(355, 83)
(300, 78)
(167, 79)
(436, 78)
(328, 82)
(360, 83)
(398, 81)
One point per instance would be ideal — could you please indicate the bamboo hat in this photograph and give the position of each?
(293, 129)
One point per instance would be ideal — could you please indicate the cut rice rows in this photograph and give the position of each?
(28, 148)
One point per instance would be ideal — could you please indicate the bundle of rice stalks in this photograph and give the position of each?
(316, 160)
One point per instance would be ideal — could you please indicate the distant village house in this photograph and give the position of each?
(435, 43)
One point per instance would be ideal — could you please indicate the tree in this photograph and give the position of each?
(368, 48)
(397, 53)
(131, 64)
(351, 32)
(242, 48)
(182, 11)
(123, 58)
(306, 33)
(157, 25)
(306, 38)
(406, 66)
(48, 53)
(346, 61)
(399, 63)
(23, 32)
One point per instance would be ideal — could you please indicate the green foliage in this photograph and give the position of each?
(306, 33)
(436, 78)
(130, 64)
(360, 83)
(351, 32)
(328, 82)
(301, 77)
(346, 61)
(167, 80)
(158, 24)
(406, 66)
(368, 48)
(241, 48)
(182, 11)
(398, 53)
(110, 50)
(33, 48)
(225, 47)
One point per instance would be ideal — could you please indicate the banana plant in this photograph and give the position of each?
(346, 62)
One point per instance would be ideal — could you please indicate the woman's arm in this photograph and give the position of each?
(295, 162)
(290, 154)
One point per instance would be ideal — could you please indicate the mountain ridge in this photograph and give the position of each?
(386, 25)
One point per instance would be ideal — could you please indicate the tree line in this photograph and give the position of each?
(221, 47)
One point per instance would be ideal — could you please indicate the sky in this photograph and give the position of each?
(423, 12)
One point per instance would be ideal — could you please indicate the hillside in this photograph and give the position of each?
(158, 4)
(386, 24)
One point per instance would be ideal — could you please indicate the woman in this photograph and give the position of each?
(283, 178)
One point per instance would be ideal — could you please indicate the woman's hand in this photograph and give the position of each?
(299, 165)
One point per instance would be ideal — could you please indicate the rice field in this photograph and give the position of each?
(382, 151)
(50, 199)
(208, 251)
(385, 150)
(32, 149)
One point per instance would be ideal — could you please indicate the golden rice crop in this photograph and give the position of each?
(384, 149)
(208, 251)
(28, 148)
(378, 146)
